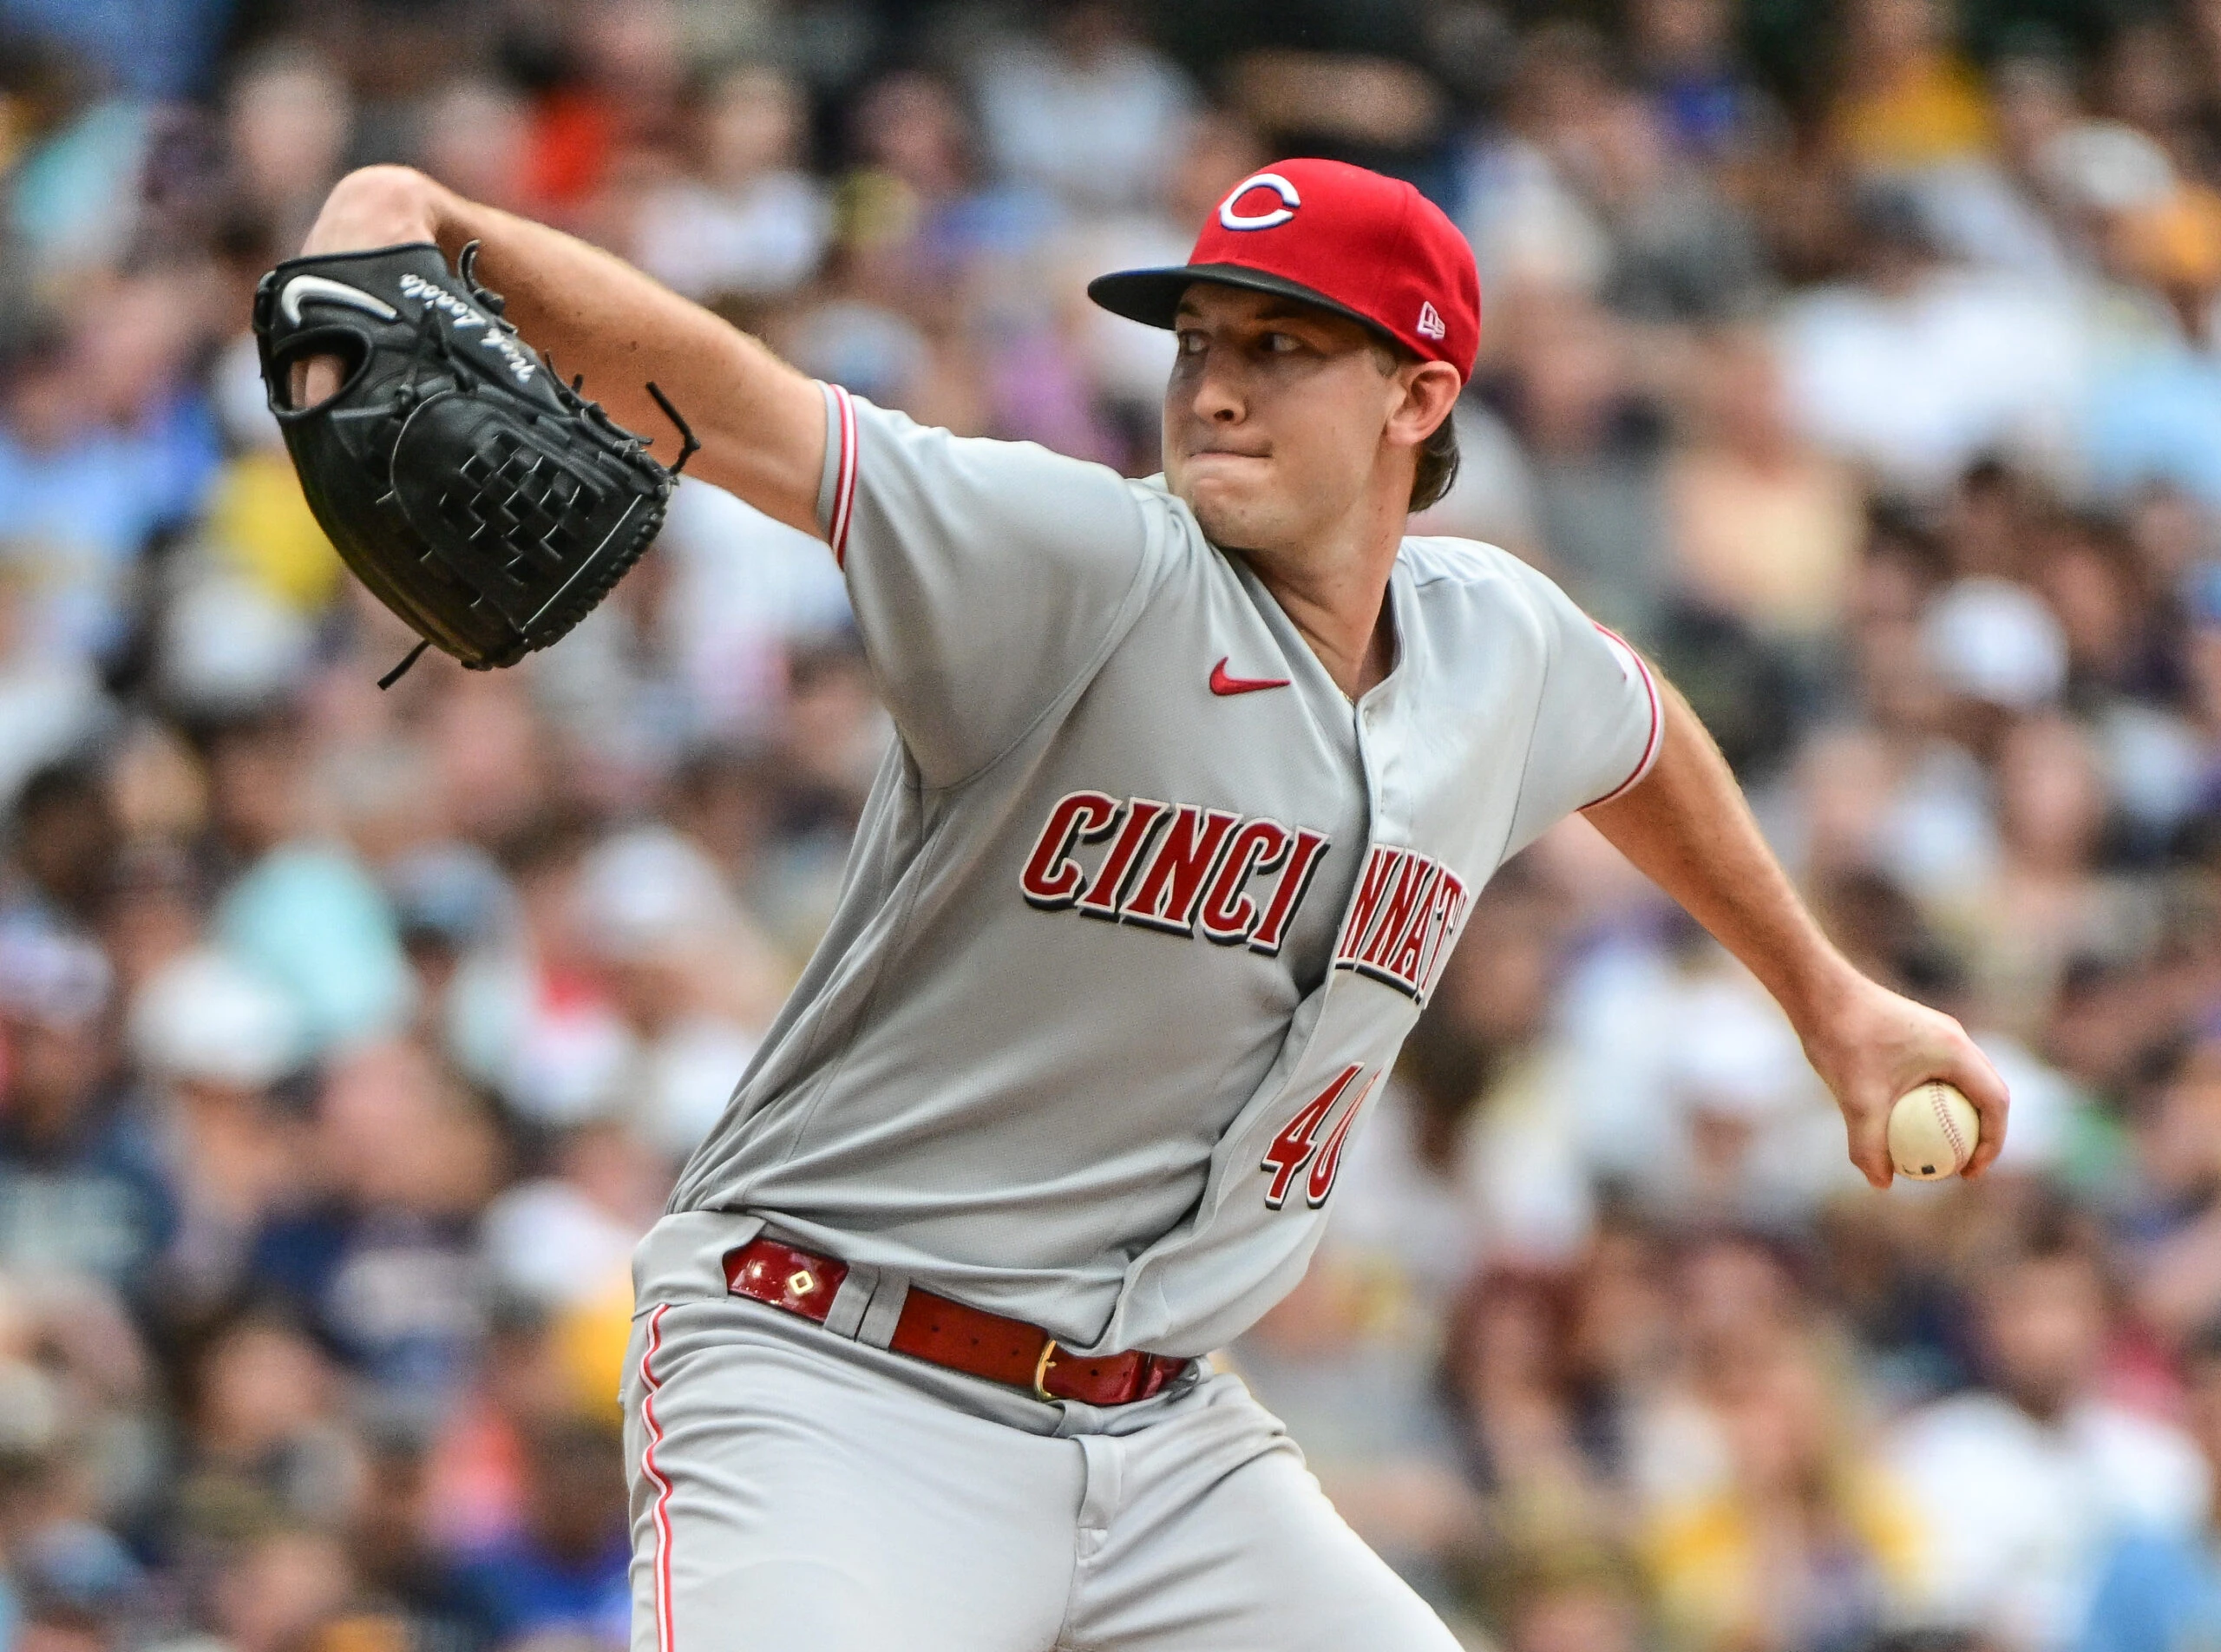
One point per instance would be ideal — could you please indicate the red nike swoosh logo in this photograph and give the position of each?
(1221, 684)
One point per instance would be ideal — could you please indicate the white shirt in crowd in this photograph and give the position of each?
(2019, 1515)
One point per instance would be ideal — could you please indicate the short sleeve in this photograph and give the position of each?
(986, 577)
(1598, 724)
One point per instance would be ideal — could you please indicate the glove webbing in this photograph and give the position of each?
(689, 446)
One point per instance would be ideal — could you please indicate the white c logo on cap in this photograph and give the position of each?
(1289, 201)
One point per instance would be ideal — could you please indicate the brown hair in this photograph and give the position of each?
(1437, 468)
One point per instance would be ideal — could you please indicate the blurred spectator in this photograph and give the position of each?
(83, 486)
(1596, 446)
(269, 1440)
(1763, 527)
(405, 1573)
(2151, 415)
(71, 190)
(566, 1568)
(1338, 1363)
(2023, 208)
(1090, 113)
(288, 119)
(2145, 79)
(213, 1039)
(2023, 1485)
(1806, 1544)
(745, 594)
(617, 92)
(1522, 206)
(748, 224)
(66, 837)
(1908, 100)
(383, 1262)
(50, 702)
(77, 1577)
(2158, 1591)
(476, 138)
(2172, 1231)
(1128, 363)
(301, 910)
(1689, 60)
(278, 1589)
(1917, 367)
(2044, 904)
(82, 1188)
(163, 50)
(1571, 1600)
(692, 982)
(1539, 1436)
(566, 1239)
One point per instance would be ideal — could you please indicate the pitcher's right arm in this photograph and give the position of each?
(761, 424)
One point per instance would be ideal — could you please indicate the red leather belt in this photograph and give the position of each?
(944, 1332)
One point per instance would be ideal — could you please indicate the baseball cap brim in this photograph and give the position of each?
(1152, 297)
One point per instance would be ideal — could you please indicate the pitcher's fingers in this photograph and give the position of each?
(1981, 1086)
(1866, 1122)
(313, 380)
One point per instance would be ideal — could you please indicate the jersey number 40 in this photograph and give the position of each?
(1297, 1147)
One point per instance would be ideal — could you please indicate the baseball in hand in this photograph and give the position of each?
(1933, 1131)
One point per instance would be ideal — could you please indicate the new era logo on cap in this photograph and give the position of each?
(1430, 322)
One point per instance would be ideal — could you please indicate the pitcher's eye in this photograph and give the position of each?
(1191, 342)
(1281, 343)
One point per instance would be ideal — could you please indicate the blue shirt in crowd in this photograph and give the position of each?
(2157, 1593)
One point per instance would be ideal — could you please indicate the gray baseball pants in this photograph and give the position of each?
(796, 1491)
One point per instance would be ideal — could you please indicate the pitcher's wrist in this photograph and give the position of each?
(1814, 986)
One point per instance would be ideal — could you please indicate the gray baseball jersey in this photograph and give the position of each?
(1141, 905)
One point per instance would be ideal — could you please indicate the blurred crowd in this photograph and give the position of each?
(1863, 362)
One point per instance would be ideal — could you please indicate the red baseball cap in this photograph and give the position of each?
(1350, 240)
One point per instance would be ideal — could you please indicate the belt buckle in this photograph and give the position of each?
(1041, 1371)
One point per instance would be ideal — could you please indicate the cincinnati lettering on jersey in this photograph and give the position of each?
(1402, 919)
(1178, 868)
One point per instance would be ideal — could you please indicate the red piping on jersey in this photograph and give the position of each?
(663, 1485)
(1657, 720)
(844, 482)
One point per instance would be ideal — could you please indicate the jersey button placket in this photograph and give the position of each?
(1383, 823)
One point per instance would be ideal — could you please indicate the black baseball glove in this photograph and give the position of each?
(475, 494)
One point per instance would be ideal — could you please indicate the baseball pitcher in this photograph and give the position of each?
(1197, 777)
